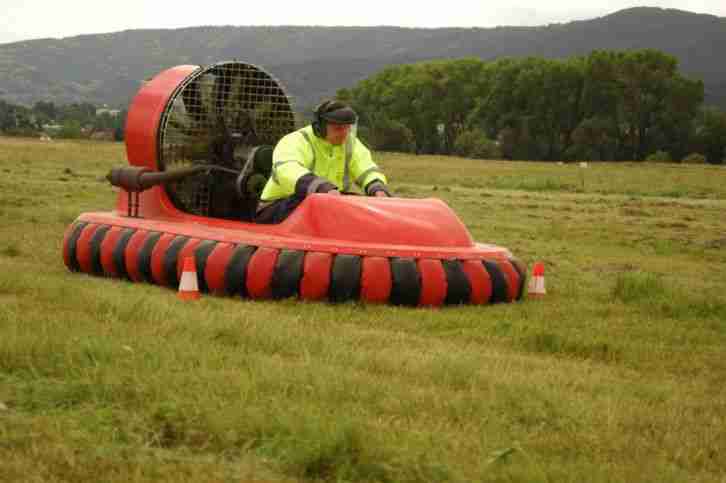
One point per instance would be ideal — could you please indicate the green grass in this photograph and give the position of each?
(615, 375)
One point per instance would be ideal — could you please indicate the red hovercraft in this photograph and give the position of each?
(199, 144)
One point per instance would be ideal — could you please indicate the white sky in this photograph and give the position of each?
(32, 19)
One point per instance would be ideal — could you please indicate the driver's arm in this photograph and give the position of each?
(366, 172)
(291, 161)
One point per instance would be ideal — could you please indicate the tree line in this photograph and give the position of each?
(609, 106)
(74, 120)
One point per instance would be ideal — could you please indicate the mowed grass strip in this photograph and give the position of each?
(616, 375)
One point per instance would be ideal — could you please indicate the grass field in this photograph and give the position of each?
(618, 374)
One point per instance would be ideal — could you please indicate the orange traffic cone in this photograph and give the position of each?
(536, 283)
(188, 287)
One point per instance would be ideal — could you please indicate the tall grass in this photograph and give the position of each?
(615, 375)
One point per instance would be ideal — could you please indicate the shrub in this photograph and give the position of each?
(475, 144)
(388, 135)
(694, 158)
(70, 130)
(659, 157)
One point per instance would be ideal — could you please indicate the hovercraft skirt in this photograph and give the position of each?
(264, 272)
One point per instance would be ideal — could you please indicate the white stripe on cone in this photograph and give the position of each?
(188, 286)
(537, 283)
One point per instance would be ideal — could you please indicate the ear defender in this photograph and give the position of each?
(319, 124)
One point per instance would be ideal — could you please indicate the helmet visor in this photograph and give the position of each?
(344, 115)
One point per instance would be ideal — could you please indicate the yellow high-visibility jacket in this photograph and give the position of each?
(302, 152)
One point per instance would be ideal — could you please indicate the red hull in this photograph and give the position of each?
(329, 248)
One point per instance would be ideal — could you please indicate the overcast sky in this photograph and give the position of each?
(33, 19)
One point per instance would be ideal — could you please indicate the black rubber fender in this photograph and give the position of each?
(119, 252)
(522, 271)
(170, 259)
(287, 274)
(73, 244)
(345, 278)
(406, 283)
(459, 289)
(500, 287)
(144, 257)
(201, 254)
(235, 275)
(95, 245)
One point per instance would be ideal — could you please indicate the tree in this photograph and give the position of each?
(474, 144)
(71, 130)
(710, 135)
(455, 86)
(608, 105)
(46, 109)
(648, 81)
(16, 120)
(398, 93)
(593, 140)
(550, 92)
(646, 102)
(7, 116)
(388, 135)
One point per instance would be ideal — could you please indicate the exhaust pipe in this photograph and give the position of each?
(135, 179)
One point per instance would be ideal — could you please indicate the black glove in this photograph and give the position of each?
(309, 183)
(375, 186)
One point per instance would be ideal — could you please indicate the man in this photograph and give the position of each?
(324, 157)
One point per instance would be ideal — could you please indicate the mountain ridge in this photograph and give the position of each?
(313, 62)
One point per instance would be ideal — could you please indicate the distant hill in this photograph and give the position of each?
(313, 62)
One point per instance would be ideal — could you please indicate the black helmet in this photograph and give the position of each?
(332, 111)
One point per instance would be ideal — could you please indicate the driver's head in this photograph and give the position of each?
(333, 121)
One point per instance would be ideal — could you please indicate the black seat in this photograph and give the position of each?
(252, 179)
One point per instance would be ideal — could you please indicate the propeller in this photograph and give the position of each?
(219, 114)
